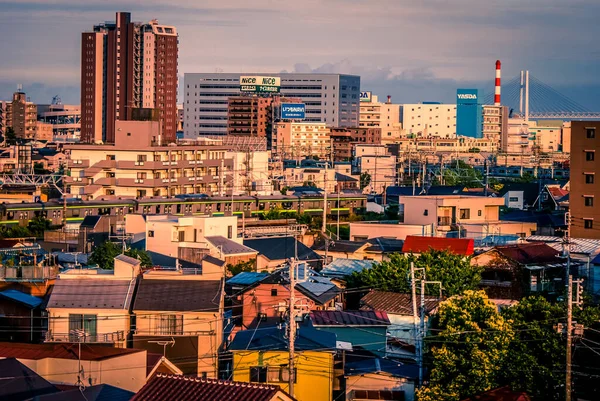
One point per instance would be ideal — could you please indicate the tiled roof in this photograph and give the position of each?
(349, 318)
(61, 351)
(394, 303)
(178, 295)
(25, 299)
(275, 339)
(527, 253)
(246, 278)
(228, 246)
(91, 293)
(175, 388)
(418, 244)
(21, 383)
(279, 248)
(344, 267)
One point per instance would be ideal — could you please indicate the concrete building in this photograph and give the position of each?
(295, 140)
(461, 144)
(344, 139)
(138, 165)
(249, 116)
(125, 66)
(65, 120)
(20, 115)
(378, 163)
(469, 113)
(386, 116)
(429, 120)
(44, 131)
(332, 99)
(495, 122)
(585, 179)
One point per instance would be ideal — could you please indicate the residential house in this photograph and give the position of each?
(380, 379)
(262, 356)
(22, 318)
(168, 388)
(553, 197)
(341, 249)
(366, 329)
(242, 280)
(365, 230)
(93, 305)
(520, 196)
(274, 252)
(70, 364)
(268, 299)
(399, 310)
(514, 271)
(458, 246)
(230, 251)
(185, 309)
(340, 268)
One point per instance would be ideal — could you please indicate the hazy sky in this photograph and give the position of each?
(413, 50)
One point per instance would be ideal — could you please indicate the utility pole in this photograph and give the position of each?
(292, 324)
(413, 288)
(324, 227)
(221, 178)
(569, 334)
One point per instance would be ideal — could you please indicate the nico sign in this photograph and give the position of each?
(260, 84)
(365, 96)
(293, 111)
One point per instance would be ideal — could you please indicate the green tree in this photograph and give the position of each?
(38, 225)
(536, 358)
(469, 351)
(365, 180)
(105, 254)
(272, 214)
(247, 266)
(454, 271)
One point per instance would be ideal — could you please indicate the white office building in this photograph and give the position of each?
(429, 120)
(332, 99)
(375, 114)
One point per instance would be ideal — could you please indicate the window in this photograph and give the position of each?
(588, 224)
(479, 213)
(230, 232)
(258, 374)
(590, 133)
(168, 324)
(426, 212)
(181, 236)
(465, 214)
(589, 155)
(141, 176)
(589, 178)
(151, 233)
(142, 158)
(271, 374)
(588, 200)
(513, 199)
(273, 292)
(82, 327)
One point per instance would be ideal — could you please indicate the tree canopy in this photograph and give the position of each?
(105, 254)
(454, 271)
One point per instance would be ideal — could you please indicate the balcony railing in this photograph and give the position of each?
(79, 336)
(445, 221)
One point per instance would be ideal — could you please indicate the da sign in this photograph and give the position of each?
(366, 96)
(293, 111)
(260, 84)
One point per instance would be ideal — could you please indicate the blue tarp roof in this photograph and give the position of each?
(21, 297)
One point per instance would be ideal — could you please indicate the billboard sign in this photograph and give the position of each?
(469, 96)
(260, 84)
(293, 111)
(366, 96)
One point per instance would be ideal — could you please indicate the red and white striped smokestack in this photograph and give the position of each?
(498, 86)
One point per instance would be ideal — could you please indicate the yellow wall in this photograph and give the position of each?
(315, 371)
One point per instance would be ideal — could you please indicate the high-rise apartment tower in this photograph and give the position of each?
(127, 66)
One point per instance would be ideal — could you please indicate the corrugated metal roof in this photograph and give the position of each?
(91, 293)
(345, 267)
(349, 318)
(394, 303)
(170, 388)
(275, 339)
(21, 297)
(228, 246)
(246, 278)
(458, 246)
(178, 295)
(128, 259)
(578, 245)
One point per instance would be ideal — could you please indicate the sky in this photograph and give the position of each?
(412, 50)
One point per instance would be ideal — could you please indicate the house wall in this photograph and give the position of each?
(208, 327)
(364, 231)
(314, 380)
(426, 209)
(108, 321)
(126, 371)
(517, 203)
(259, 300)
(379, 381)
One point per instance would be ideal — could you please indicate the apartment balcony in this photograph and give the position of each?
(78, 163)
(79, 336)
(106, 164)
(106, 181)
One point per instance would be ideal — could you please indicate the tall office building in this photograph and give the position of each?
(585, 173)
(19, 114)
(332, 99)
(127, 66)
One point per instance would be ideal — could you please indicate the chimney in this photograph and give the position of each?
(389, 101)
(498, 86)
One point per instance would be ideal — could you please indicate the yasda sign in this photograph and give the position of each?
(469, 96)
(293, 111)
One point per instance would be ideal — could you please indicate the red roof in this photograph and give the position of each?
(349, 318)
(62, 351)
(458, 246)
(173, 388)
(533, 252)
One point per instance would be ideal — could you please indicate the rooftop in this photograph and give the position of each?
(275, 339)
(247, 278)
(344, 267)
(21, 383)
(394, 303)
(25, 299)
(62, 351)
(280, 248)
(91, 293)
(418, 244)
(349, 318)
(227, 246)
(171, 388)
(178, 295)
(527, 253)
